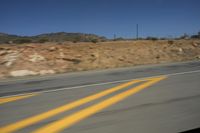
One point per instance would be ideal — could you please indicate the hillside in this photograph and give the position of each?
(51, 37)
(39, 59)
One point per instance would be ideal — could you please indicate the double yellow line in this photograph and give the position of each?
(14, 98)
(82, 114)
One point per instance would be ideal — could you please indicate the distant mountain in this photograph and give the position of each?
(51, 37)
(4, 38)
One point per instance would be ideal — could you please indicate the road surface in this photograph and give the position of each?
(154, 99)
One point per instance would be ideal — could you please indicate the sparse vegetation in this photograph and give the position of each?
(43, 40)
(22, 40)
(94, 40)
(76, 37)
(185, 36)
(152, 38)
(119, 39)
(197, 36)
(52, 37)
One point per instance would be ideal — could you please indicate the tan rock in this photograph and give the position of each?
(194, 44)
(30, 46)
(52, 48)
(180, 49)
(61, 54)
(10, 58)
(95, 55)
(36, 58)
(4, 48)
(198, 57)
(3, 52)
(19, 73)
(43, 72)
(121, 58)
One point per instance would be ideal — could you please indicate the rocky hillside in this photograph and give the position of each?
(51, 37)
(50, 58)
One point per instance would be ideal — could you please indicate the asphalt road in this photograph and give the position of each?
(145, 99)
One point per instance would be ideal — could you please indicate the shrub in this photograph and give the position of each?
(94, 40)
(76, 39)
(22, 40)
(185, 36)
(152, 38)
(119, 39)
(163, 38)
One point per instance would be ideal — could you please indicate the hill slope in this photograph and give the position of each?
(40, 59)
(51, 37)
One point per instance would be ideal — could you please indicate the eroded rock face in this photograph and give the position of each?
(3, 52)
(19, 73)
(36, 58)
(10, 57)
(40, 59)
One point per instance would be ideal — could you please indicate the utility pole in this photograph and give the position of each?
(114, 37)
(137, 31)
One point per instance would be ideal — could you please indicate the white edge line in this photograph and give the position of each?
(97, 84)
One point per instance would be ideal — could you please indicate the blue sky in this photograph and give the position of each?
(161, 18)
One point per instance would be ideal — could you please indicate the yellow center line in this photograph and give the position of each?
(14, 98)
(37, 118)
(78, 116)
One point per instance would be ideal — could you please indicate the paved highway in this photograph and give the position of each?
(154, 99)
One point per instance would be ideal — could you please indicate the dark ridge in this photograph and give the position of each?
(51, 37)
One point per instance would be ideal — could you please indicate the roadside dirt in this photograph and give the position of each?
(40, 59)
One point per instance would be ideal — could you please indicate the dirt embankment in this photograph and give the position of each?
(49, 58)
